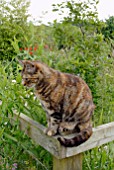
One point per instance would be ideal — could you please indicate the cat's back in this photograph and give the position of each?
(76, 83)
(71, 79)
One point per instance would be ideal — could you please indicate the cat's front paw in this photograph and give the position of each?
(50, 132)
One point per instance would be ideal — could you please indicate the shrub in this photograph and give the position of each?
(13, 24)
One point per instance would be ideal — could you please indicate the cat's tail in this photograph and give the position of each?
(78, 139)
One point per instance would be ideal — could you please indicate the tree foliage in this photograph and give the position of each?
(13, 25)
(108, 29)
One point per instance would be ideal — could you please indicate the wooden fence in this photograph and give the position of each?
(65, 158)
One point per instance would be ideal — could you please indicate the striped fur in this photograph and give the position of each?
(66, 98)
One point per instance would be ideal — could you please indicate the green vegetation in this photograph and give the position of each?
(79, 44)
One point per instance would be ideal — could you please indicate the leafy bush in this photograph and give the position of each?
(13, 24)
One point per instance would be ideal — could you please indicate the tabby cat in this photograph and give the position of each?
(66, 98)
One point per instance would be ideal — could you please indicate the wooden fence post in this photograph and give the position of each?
(70, 163)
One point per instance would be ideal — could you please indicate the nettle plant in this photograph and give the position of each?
(16, 149)
(13, 95)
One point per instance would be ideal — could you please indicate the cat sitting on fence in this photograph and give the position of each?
(66, 99)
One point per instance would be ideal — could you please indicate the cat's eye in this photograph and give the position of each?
(65, 130)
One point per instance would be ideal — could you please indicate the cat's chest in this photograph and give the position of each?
(45, 104)
(47, 107)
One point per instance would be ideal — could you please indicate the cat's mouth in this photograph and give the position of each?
(31, 85)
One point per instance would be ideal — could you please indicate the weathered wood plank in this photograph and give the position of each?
(101, 135)
(36, 131)
(70, 163)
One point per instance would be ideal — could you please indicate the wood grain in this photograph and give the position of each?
(70, 163)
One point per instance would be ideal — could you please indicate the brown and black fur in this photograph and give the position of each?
(66, 98)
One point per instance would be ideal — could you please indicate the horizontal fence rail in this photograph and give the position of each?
(101, 135)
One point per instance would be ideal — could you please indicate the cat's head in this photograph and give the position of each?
(31, 72)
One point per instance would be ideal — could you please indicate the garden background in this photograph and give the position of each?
(80, 44)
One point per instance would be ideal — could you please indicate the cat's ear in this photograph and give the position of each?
(21, 62)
